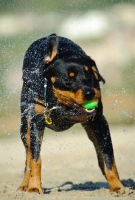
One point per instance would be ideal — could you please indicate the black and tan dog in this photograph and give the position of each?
(58, 77)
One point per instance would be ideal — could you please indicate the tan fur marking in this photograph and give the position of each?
(39, 109)
(39, 101)
(53, 79)
(79, 97)
(48, 59)
(35, 177)
(66, 97)
(97, 94)
(86, 68)
(113, 178)
(72, 74)
(95, 72)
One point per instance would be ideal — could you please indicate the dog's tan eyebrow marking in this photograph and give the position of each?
(71, 74)
(86, 68)
(53, 79)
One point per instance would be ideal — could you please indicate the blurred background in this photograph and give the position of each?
(104, 29)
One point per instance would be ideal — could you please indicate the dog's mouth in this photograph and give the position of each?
(75, 101)
(82, 109)
(78, 113)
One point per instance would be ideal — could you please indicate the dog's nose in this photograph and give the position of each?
(89, 93)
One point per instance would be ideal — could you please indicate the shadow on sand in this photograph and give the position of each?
(87, 186)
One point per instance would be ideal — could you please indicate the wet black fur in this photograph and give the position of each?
(34, 73)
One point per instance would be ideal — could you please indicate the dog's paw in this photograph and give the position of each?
(123, 191)
(31, 188)
(36, 189)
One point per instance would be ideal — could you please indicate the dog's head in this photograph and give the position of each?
(74, 76)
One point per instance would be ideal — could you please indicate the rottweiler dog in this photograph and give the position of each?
(58, 78)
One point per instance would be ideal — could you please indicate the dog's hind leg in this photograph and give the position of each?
(32, 128)
(98, 132)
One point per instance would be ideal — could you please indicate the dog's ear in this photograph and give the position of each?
(95, 70)
(52, 48)
(97, 74)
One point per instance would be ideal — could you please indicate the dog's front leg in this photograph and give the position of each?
(98, 132)
(32, 139)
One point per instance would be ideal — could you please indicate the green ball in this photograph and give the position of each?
(90, 104)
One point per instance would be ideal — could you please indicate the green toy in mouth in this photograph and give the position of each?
(89, 105)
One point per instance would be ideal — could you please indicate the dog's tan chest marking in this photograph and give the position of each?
(39, 109)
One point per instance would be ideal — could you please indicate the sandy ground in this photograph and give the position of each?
(69, 166)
